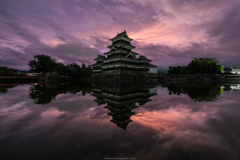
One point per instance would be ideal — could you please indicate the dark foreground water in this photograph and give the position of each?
(76, 121)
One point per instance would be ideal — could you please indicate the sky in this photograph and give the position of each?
(168, 32)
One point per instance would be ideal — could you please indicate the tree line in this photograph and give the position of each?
(198, 66)
(44, 63)
(197, 94)
(4, 71)
(41, 94)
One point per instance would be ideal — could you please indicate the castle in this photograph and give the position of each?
(121, 64)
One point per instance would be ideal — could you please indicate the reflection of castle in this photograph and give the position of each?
(231, 87)
(121, 102)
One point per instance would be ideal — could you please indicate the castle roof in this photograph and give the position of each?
(143, 58)
(152, 66)
(99, 58)
(123, 36)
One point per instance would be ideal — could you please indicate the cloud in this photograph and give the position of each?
(30, 37)
(7, 15)
(226, 31)
(71, 53)
(167, 32)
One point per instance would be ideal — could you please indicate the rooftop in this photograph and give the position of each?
(143, 58)
(100, 57)
(122, 35)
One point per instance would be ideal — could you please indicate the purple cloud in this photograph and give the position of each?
(167, 32)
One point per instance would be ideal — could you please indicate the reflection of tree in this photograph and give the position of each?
(196, 93)
(4, 88)
(43, 94)
(121, 101)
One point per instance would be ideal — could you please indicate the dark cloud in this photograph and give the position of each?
(13, 59)
(182, 56)
(71, 52)
(62, 38)
(22, 32)
(77, 31)
(71, 49)
(53, 24)
(7, 15)
(101, 42)
(226, 31)
(29, 118)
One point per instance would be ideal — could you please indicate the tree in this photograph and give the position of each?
(61, 69)
(42, 63)
(74, 70)
(198, 66)
(83, 65)
(198, 94)
(87, 71)
(4, 71)
(44, 95)
(10, 72)
(205, 65)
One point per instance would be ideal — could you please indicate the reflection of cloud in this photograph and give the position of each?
(51, 114)
(168, 127)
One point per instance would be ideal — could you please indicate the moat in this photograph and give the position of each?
(83, 121)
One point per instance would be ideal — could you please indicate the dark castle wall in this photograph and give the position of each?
(128, 77)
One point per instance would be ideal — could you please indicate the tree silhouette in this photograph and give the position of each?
(83, 65)
(198, 66)
(44, 94)
(42, 63)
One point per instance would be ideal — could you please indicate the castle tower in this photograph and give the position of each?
(121, 63)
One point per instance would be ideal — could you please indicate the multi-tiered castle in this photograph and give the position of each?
(121, 64)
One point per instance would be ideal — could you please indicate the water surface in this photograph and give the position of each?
(76, 121)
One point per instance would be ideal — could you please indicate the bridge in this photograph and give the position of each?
(20, 77)
(17, 84)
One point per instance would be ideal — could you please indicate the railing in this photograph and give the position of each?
(232, 75)
(27, 77)
(16, 84)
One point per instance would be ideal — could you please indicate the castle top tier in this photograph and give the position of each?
(121, 36)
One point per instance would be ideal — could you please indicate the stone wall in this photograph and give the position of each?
(116, 77)
(56, 77)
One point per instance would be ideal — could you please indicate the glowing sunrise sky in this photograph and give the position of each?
(169, 32)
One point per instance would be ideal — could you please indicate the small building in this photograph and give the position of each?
(235, 69)
(33, 74)
(232, 70)
(227, 71)
(122, 64)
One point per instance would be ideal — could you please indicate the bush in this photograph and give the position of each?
(198, 66)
